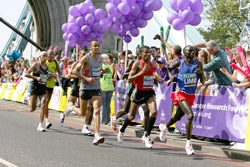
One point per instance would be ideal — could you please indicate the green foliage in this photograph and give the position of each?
(226, 22)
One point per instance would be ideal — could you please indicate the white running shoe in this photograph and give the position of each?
(113, 123)
(61, 119)
(98, 139)
(40, 128)
(163, 132)
(189, 149)
(86, 131)
(148, 142)
(143, 138)
(120, 135)
(48, 124)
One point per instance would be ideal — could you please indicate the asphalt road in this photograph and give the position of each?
(23, 146)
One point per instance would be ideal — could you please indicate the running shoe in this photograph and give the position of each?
(163, 132)
(148, 142)
(143, 138)
(67, 111)
(189, 149)
(61, 119)
(86, 131)
(48, 124)
(120, 135)
(113, 123)
(40, 128)
(98, 140)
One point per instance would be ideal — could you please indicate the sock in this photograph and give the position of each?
(125, 124)
(70, 104)
(40, 124)
(46, 119)
(145, 132)
(96, 134)
(188, 142)
(71, 107)
(151, 123)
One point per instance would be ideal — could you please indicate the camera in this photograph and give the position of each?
(157, 36)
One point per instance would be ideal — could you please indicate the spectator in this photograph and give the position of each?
(237, 78)
(162, 71)
(218, 61)
(204, 58)
(107, 88)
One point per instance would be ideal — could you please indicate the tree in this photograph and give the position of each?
(226, 21)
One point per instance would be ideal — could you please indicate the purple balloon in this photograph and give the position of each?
(125, 26)
(124, 8)
(196, 6)
(72, 43)
(173, 4)
(121, 33)
(80, 21)
(139, 22)
(196, 20)
(112, 9)
(72, 37)
(116, 2)
(83, 8)
(89, 3)
(106, 22)
(171, 17)
(100, 14)
(135, 10)
(145, 23)
(65, 28)
(89, 18)
(178, 24)
(149, 5)
(187, 16)
(119, 19)
(127, 38)
(85, 29)
(134, 32)
(182, 4)
(104, 30)
(72, 27)
(96, 27)
(158, 5)
(73, 11)
(65, 36)
(148, 15)
(91, 10)
(115, 28)
(91, 36)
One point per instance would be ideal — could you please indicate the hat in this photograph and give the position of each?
(105, 58)
(64, 58)
(161, 60)
(131, 56)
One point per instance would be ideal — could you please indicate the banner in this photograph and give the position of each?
(163, 101)
(221, 113)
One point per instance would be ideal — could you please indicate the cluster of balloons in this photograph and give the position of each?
(186, 12)
(84, 25)
(127, 16)
(122, 17)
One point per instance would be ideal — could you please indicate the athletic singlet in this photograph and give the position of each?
(145, 82)
(52, 67)
(94, 71)
(187, 78)
(41, 73)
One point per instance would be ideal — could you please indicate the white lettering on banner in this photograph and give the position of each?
(216, 107)
(238, 109)
(200, 106)
(203, 114)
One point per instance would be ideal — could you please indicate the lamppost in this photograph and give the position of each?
(32, 29)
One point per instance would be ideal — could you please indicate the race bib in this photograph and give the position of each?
(148, 81)
(44, 79)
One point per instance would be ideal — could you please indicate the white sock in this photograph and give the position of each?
(96, 134)
(145, 132)
(84, 126)
(188, 142)
(71, 107)
(70, 104)
(40, 124)
(46, 119)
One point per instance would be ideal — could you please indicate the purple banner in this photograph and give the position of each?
(219, 112)
(163, 101)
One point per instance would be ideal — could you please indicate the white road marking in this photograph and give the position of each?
(7, 163)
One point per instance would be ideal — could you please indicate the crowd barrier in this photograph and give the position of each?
(220, 112)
